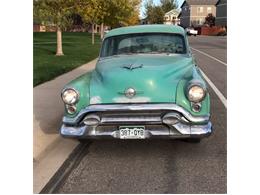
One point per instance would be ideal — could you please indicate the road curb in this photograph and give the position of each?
(48, 114)
(47, 166)
(65, 169)
(48, 109)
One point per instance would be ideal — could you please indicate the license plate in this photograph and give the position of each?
(130, 132)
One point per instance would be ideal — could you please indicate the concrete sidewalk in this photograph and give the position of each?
(48, 110)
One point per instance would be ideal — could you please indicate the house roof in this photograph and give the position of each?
(200, 2)
(221, 2)
(175, 12)
(160, 28)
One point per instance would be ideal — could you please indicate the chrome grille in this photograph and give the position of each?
(131, 117)
(105, 128)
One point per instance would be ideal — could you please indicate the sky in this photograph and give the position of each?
(156, 2)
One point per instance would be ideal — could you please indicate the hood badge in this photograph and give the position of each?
(132, 66)
(130, 92)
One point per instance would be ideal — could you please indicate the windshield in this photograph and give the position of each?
(143, 43)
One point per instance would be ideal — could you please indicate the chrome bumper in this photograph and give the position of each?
(186, 126)
(177, 131)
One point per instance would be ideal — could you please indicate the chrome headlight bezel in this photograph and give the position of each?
(193, 99)
(75, 98)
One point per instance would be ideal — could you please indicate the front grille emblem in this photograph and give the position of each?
(130, 92)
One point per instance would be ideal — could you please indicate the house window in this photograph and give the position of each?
(200, 21)
(209, 10)
(199, 9)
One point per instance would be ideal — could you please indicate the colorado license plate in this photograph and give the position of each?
(128, 132)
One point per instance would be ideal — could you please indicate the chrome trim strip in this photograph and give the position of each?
(136, 107)
(114, 120)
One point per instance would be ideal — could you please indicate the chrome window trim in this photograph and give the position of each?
(136, 107)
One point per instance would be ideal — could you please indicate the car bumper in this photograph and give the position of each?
(151, 116)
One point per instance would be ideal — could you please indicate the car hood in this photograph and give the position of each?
(153, 77)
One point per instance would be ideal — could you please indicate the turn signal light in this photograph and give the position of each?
(171, 118)
(91, 120)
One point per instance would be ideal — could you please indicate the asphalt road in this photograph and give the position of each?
(162, 166)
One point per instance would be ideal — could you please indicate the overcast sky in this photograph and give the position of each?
(156, 2)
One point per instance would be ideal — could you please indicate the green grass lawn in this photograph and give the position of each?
(77, 49)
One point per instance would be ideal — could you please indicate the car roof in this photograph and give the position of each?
(154, 28)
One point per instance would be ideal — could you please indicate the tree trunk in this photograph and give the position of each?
(93, 34)
(102, 30)
(59, 51)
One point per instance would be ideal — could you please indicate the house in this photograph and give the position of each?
(193, 12)
(39, 28)
(221, 15)
(144, 21)
(172, 17)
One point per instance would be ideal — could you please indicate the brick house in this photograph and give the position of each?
(193, 12)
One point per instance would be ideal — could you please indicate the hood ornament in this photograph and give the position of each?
(132, 66)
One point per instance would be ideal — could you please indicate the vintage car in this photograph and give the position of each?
(146, 84)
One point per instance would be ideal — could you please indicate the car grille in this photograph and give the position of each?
(105, 128)
(131, 117)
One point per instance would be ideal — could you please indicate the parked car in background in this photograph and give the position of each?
(146, 84)
(191, 31)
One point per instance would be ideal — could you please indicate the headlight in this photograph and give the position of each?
(196, 93)
(70, 96)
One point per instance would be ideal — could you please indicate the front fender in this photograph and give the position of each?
(82, 85)
(181, 97)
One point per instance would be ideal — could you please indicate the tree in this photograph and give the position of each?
(133, 17)
(154, 13)
(127, 13)
(121, 12)
(168, 5)
(113, 13)
(157, 16)
(89, 11)
(210, 20)
(55, 12)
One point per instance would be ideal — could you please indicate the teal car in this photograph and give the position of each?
(146, 84)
